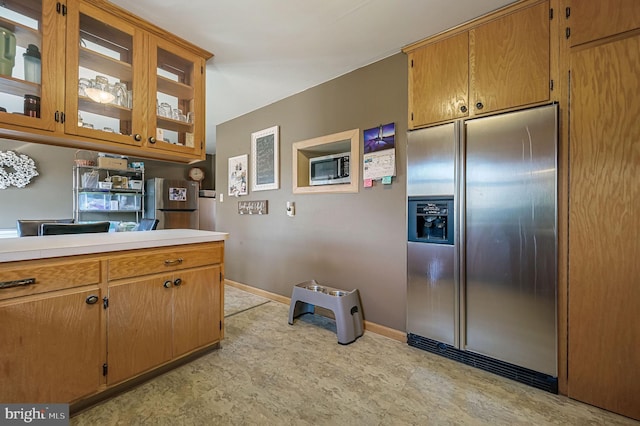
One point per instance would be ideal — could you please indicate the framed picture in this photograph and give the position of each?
(265, 159)
(238, 175)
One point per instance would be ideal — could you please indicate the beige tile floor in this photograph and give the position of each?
(270, 373)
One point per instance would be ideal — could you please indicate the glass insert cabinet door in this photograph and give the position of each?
(177, 104)
(31, 57)
(105, 77)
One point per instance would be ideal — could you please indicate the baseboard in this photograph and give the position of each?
(372, 327)
(258, 292)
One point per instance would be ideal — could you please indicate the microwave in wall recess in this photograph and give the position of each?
(329, 169)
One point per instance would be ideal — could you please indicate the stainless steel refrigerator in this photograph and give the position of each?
(173, 202)
(482, 243)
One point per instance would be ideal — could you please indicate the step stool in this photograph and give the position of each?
(345, 306)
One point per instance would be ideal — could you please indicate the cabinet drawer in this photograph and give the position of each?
(137, 263)
(46, 276)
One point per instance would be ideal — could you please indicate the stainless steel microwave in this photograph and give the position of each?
(329, 169)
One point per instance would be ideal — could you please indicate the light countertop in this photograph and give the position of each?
(28, 248)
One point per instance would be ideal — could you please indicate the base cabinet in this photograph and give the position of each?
(139, 331)
(51, 347)
(77, 326)
(196, 310)
(154, 320)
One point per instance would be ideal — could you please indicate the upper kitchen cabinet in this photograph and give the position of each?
(439, 81)
(593, 20)
(105, 78)
(31, 59)
(509, 60)
(175, 103)
(109, 81)
(498, 62)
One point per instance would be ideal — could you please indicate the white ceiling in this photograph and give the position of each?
(267, 50)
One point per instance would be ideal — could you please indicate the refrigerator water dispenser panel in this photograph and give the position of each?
(431, 220)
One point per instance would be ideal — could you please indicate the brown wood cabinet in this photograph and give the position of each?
(593, 20)
(139, 333)
(52, 346)
(48, 35)
(509, 60)
(439, 81)
(144, 67)
(182, 308)
(74, 327)
(498, 63)
(604, 295)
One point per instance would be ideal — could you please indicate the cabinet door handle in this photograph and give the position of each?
(479, 105)
(167, 284)
(92, 300)
(137, 137)
(463, 108)
(17, 283)
(169, 262)
(177, 282)
(152, 139)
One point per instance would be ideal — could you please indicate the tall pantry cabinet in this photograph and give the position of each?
(603, 58)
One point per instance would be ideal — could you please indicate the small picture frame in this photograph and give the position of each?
(238, 175)
(265, 159)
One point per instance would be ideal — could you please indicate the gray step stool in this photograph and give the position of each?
(345, 306)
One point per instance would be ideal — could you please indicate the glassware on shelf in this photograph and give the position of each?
(100, 90)
(120, 93)
(164, 110)
(190, 117)
(83, 84)
(32, 64)
(7, 51)
(32, 106)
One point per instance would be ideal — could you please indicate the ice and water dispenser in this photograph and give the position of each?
(431, 220)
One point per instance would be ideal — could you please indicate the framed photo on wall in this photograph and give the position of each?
(238, 175)
(265, 159)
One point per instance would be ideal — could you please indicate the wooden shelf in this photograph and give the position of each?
(106, 110)
(175, 125)
(103, 64)
(17, 87)
(174, 88)
(24, 35)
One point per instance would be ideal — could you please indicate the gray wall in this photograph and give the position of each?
(341, 240)
(50, 194)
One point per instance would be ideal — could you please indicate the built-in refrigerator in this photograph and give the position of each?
(482, 243)
(173, 202)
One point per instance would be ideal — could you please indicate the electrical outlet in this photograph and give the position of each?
(291, 208)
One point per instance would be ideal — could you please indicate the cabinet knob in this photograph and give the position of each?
(177, 282)
(167, 284)
(479, 105)
(92, 300)
(463, 108)
(152, 139)
(137, 137)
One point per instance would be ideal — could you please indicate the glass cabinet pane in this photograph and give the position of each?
(175, 101)
(21, 58)
(105, 77)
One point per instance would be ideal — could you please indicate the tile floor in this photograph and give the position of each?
(270, 373)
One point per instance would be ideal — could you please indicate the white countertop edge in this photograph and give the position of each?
(30, 248)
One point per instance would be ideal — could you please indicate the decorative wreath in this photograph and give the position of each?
(16, 170)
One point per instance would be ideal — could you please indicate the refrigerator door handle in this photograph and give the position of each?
(460, 258)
